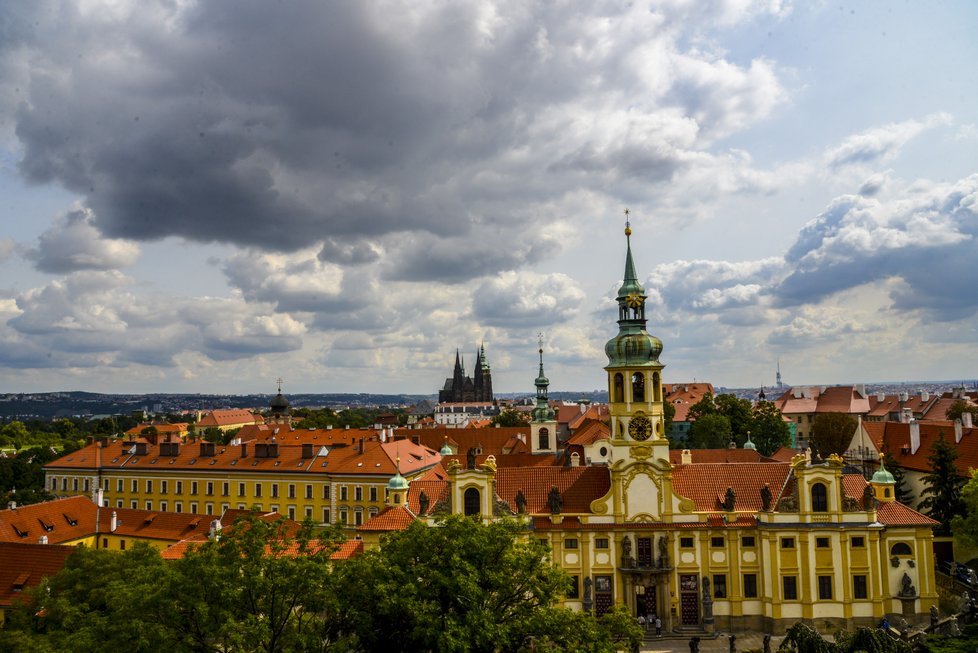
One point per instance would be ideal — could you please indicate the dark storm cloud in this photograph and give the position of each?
(355, 123)
(73, 243)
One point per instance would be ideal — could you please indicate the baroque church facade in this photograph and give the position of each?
(460, 388)
(704, 539)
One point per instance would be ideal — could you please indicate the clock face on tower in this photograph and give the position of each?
(640, 428)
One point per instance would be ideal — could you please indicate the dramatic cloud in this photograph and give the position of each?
(408, 120)
(882, 143)
(527, 300)
(73, 244)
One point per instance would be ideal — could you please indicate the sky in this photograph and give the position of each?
(207, 196)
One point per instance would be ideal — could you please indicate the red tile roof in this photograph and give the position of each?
(228, 417)
(391, 518)
(897, 514)
(24, 565)
(895, 438)
(148, 524)
(578, 486)
(706, 484)
(589, 432)
(701, 456)
(435, 490)
(61, 520)
(683, 396)
(347, 550)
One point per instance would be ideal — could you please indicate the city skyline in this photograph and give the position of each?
(206, 197)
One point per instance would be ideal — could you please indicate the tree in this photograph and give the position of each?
(769, 431)
(738, 411)
(258, 588)
(511, 417)
(704, 406)
(960, 406)
(965, 525)
(668, 415)
(941, 496)
(832, 433)
(711, 431)
(461, 586)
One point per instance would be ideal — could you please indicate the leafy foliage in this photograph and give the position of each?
(965, 525)
(941, 496)
(711, 431)
(960, 406)
(763, 421)
(832, 433)
(769, 431)
(806, 639)
(900, 491)
(511, 417)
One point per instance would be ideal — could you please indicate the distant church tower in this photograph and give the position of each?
(634, 370)
(460, 388)
(543, 428)
(279, 412)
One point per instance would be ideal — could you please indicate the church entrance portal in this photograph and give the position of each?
(689, 605)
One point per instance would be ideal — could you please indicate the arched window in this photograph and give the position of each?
(473, 502)
(619, 388)
(638, 387)
(901, 549)
(820, 499)
(543, 439)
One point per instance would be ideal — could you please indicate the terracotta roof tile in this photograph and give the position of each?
(589, 432)
(61, 520)
(701, 456)
(347, 550)
(435, 490)
(897, 514)
(24, 565)
(706, 484)
(578, 486)
(391, 518)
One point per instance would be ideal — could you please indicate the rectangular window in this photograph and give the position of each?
(134, 485)
(291, 490)
(149, 505)
(747, 541)
(750, 586)
(225, 507)
(343, 496)
(787, 542)
(308, 491)
(308, 512)
(373, 493)
(164, 487)
(686, 543)
(275, 490)
(86, 485)
(326, 516)
(822, 542)
(208, 508)
(74, 484)
(105, 484)
(570, 544)
(859, 588)
(105, 542)
(54, 484)
(210, 488)
(358, 493)
(644, 551)
(178, 507)
(193, 508)
(825, 588)
(326, 491)
(179, 487)
(358, 518)
(574, 591)
(858, 542)
(241, 489)
(118, 503)
(292, 513)
(118, 486)
(716, 542)
(601, 543)
(149, 486)
(343, 515)
(257, 490)
(122, 545)
(789, 585)
(162, 506)
(193, 488)
(134, 504)
(225, 489)
(719, 586)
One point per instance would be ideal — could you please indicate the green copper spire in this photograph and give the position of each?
(633, 345)
(542, 412)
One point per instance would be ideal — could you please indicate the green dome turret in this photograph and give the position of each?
(445, 450)
(397, 483)
(633, 346)
(750, 445)
(883, 476)
(542, 412)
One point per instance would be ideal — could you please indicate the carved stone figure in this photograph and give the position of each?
(663, 551)
(587, 588)
(767, 644)
(520, 502)
(470, 458)
(626, 548)
(423, 502)
(906, 587)
(766, 498)
(555, 500)
(706, 589)
(935, 616)
(730, 500)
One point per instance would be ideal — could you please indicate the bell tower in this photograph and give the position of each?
(634, 372)
(543, 428)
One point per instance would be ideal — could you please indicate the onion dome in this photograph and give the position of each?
(749, 445)
(633, 346)
(445, 449)
(882, 476)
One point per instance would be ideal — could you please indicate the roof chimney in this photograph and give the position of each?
(686, 457)
(958, 431)
(924, 396)
(11, 505)
(43, 539)
(880, 396)
(215, 530)
(860, 388)
(360, 446)
(906, 415)
(966, 419)
(113, 522)
(914, 437)
(904, 397)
